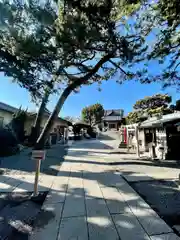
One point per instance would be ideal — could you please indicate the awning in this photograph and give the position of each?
(159, 122)
(81, 124)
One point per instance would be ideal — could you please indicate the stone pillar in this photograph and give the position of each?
(137, 140)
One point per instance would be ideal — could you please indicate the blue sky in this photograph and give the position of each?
(112, 96)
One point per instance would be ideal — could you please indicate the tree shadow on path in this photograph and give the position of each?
(23, 162)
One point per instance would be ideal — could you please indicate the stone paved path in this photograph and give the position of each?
(90, 200)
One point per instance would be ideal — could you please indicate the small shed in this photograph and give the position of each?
(163, 132)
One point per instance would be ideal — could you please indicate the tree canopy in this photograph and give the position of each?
(89, 47)
(39, 39)
(158, 22)
(25, 52)
(74, 42)
(67, 38)
(93, 114)
(153, 102)
(150, 106)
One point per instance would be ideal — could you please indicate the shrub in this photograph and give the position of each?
(8, 143)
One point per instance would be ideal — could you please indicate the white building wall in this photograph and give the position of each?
(161, 143)
(30, 122)
(6, 117)
(131, 128)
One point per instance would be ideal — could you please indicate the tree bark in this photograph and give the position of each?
(47, 128)
(37, 124)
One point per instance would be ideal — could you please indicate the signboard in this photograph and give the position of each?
(38, 155)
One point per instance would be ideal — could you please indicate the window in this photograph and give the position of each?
(1, 121)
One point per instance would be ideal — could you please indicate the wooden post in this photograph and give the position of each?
(38, 156)
(38, 165)
(137, 141)
(125, 135)
(128, 146)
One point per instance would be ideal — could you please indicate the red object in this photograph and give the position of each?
(125, 135)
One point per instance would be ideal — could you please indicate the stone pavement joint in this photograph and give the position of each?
(74, 205)
(89, 200)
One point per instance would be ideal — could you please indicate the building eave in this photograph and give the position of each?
(112, 118)
(7, 108)
(155, 122)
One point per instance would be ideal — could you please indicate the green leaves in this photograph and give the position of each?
(126, 8)
(170, 11)
(93, 114)
(69, 41)
(150, 106)
(154, 101)
(26, 50)
(159, 23)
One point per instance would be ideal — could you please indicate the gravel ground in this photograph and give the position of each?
(19, 210)
(163, 197)
(17, 213)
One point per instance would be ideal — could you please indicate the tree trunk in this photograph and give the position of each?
(37, 124)
(47, 128)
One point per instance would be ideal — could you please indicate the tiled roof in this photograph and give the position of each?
(107, 112)
(48, 113)
(114, 112)
(8, 108)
